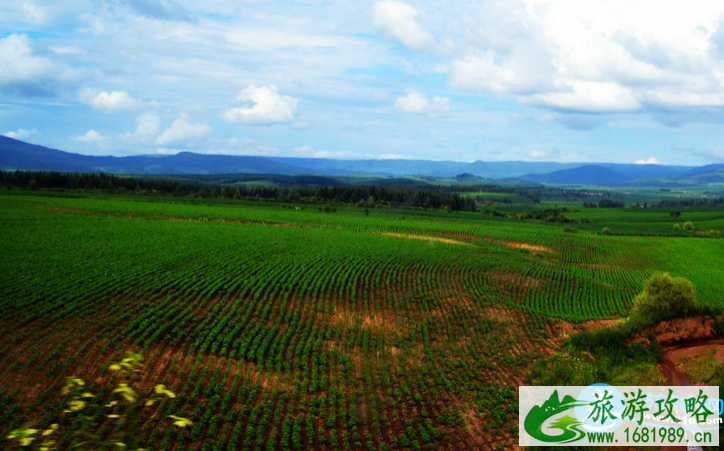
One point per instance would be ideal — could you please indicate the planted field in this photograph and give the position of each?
(285, 328)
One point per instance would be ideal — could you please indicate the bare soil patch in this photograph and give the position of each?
(70, 210)
(174, 218)
(422, 237)
(527, 246)
(717, 346)
(512, 279)
(564, 329)
(498, 311)
(680, 330)
(379, 321)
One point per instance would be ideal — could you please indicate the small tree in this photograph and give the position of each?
(689, 226)
(606, 231)
(663, 293)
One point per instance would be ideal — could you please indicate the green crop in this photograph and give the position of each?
(287, 328)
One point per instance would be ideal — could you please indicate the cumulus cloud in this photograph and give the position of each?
(183, 133)
(23, 134)
(24, 73)
(591, 56)
(147, 128)
(589, 97)
(651, 160)
(398, 20)
(110, 101)
(481, 72)
(91, 137)
(263, 105)
(420, 103)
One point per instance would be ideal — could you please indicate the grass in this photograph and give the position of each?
(701, 368)
(642, 374)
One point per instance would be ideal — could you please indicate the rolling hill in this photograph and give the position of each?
(16, 154)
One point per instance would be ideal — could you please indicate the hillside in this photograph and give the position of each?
(301, 329)
(584, 175)
(16, 154)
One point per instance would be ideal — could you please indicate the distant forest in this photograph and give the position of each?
(362, 196)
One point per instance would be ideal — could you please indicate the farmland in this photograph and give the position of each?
(281, 326)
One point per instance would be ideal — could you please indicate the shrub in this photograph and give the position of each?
(666, 294)
(689, 226)
(565, 368)
(606, 231)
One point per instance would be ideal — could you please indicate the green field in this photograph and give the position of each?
(283, 327)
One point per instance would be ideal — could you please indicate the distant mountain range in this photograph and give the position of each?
(16, 154)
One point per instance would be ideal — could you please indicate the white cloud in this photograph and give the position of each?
(110, 101)
(22, 72)
(309, 152)
(394, 156)
(590, 97)
(305, 151)
(183, 133)
(147, 128)
(66, 50)
(264, 106)
(591, 56)
(397, 20)
(481, 72)
(23, 134)
(708, 155)
(420, 103)
(651, 160)
(91, 137)
(537, 154)
(35, 14)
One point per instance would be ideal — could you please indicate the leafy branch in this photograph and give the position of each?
(92, 425)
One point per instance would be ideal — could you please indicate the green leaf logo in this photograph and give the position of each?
(570, 427)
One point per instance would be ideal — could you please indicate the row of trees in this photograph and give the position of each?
(683, 203)
(604, 203)
(363, 196)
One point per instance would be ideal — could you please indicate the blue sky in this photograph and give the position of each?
(536, 80)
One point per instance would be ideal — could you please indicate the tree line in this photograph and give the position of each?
(362, 196)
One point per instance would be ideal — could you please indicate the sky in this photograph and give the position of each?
(628, 81)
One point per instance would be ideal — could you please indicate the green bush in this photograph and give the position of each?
(565, 368)
(689, 226)
(665, 294)
(606, 231)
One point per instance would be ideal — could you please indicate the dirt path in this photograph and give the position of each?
(672, 354)
(674, 377)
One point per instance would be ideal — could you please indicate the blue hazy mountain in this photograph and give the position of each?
(16, 154)
(610, 174)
